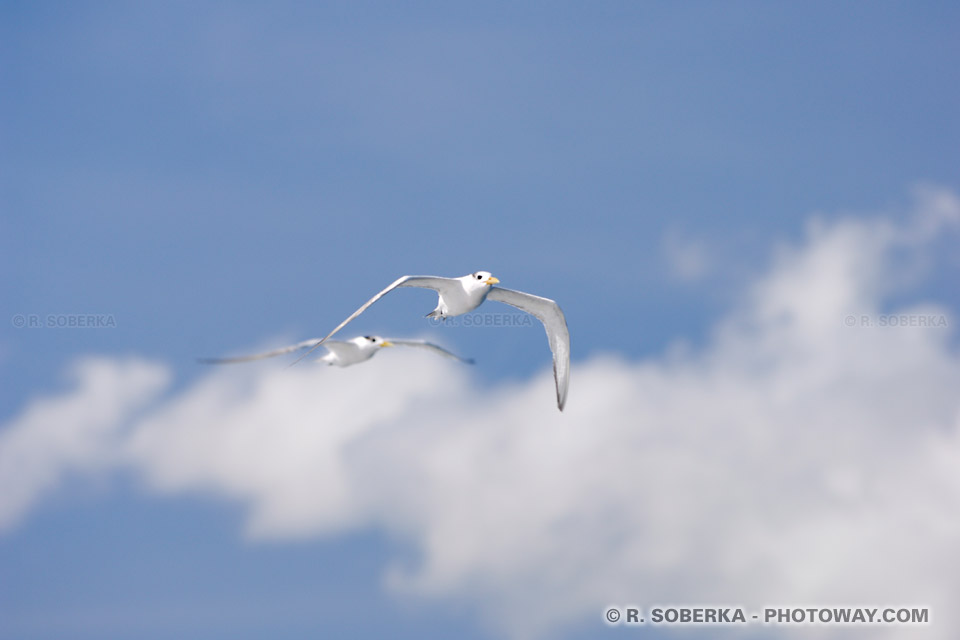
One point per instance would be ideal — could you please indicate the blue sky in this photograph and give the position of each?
(221, 177)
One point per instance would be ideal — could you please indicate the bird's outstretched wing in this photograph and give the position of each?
(426, 282)
(259, 356)
(423, 344)
(549, 313)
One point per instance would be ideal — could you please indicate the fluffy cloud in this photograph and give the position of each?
(75, 431)
(806, 455)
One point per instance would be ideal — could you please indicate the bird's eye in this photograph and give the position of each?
(479, 277)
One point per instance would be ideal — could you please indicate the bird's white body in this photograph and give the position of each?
(458, 300)
(355, 351)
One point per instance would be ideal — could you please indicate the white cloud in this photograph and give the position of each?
(794, 460)
(75, 431)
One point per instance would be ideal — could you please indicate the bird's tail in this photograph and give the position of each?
(434, 314)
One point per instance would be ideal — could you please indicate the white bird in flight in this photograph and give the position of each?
(342, 353)
(462, 295)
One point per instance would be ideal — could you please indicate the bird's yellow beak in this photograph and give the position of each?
(491, 280)
(386, 343)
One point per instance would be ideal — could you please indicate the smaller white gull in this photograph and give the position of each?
(342, 353)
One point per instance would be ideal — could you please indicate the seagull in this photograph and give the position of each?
(462, 295)
(342, 354)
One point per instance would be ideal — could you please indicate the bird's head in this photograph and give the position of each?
(478, 280)
(372, 342)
